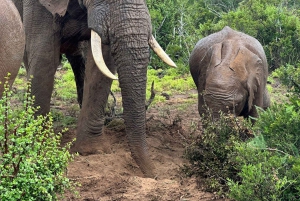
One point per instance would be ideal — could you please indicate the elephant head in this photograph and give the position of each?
(119, 35)
(94, 9)
(230, 71)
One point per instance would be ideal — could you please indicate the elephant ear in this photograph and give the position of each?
(216, 55)
(56, 6)
(247, 67)
(212, 58)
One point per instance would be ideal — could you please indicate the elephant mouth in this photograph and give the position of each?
(99, 60)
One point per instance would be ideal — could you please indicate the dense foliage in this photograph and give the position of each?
(178, 25)
(209, 154)
(33, 164)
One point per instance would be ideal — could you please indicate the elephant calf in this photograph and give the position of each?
(12, 42)
(230, 71)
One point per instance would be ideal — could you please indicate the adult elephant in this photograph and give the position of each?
(12, 40)
(120, 30)
(230, 71)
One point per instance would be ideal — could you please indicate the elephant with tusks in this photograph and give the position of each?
(119, 36)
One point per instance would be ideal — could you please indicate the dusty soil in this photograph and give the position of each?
(113, 175)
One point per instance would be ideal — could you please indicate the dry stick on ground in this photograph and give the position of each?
(113, 107)
(152, 96)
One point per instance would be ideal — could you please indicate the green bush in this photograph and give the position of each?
(274, 24)
(33, 165)
(280, 126)
(210, 154)
(290, 76)
(269, 165)
(265, 173)
(266, 167)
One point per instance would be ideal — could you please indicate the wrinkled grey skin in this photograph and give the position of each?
(54, 27)
(230, 71)
(12, 42)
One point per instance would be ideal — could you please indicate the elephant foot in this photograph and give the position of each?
(86, 146)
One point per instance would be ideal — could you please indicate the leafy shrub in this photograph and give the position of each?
(269, 165)
(273, 23)
(280, 126)
(33, 165)
(290, 76)
(265, 174)
(266, 167)
(210, 154)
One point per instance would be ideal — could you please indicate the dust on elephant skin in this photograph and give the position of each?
(230, 71)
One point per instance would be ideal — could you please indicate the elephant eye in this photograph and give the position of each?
(259, 61)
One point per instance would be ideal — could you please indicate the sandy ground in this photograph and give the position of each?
(113, 175)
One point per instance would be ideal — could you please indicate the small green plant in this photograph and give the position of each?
(280, 127)
(33, 165)
(65, 86)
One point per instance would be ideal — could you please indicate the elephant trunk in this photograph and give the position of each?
(129, 36)
(132, 77)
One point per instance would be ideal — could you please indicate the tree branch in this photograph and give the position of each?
(152, 96)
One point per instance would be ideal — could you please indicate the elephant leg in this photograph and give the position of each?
(202, 109)
(95, 95)
(78, 66)
(257, 102)
(42, 52)
(266, 100)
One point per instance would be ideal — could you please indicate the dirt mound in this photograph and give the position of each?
(113, 175)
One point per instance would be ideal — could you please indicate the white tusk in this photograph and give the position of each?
(160, 52)
(98, 56)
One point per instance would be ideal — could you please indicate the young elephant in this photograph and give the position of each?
(12, 40)
(230, 71)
